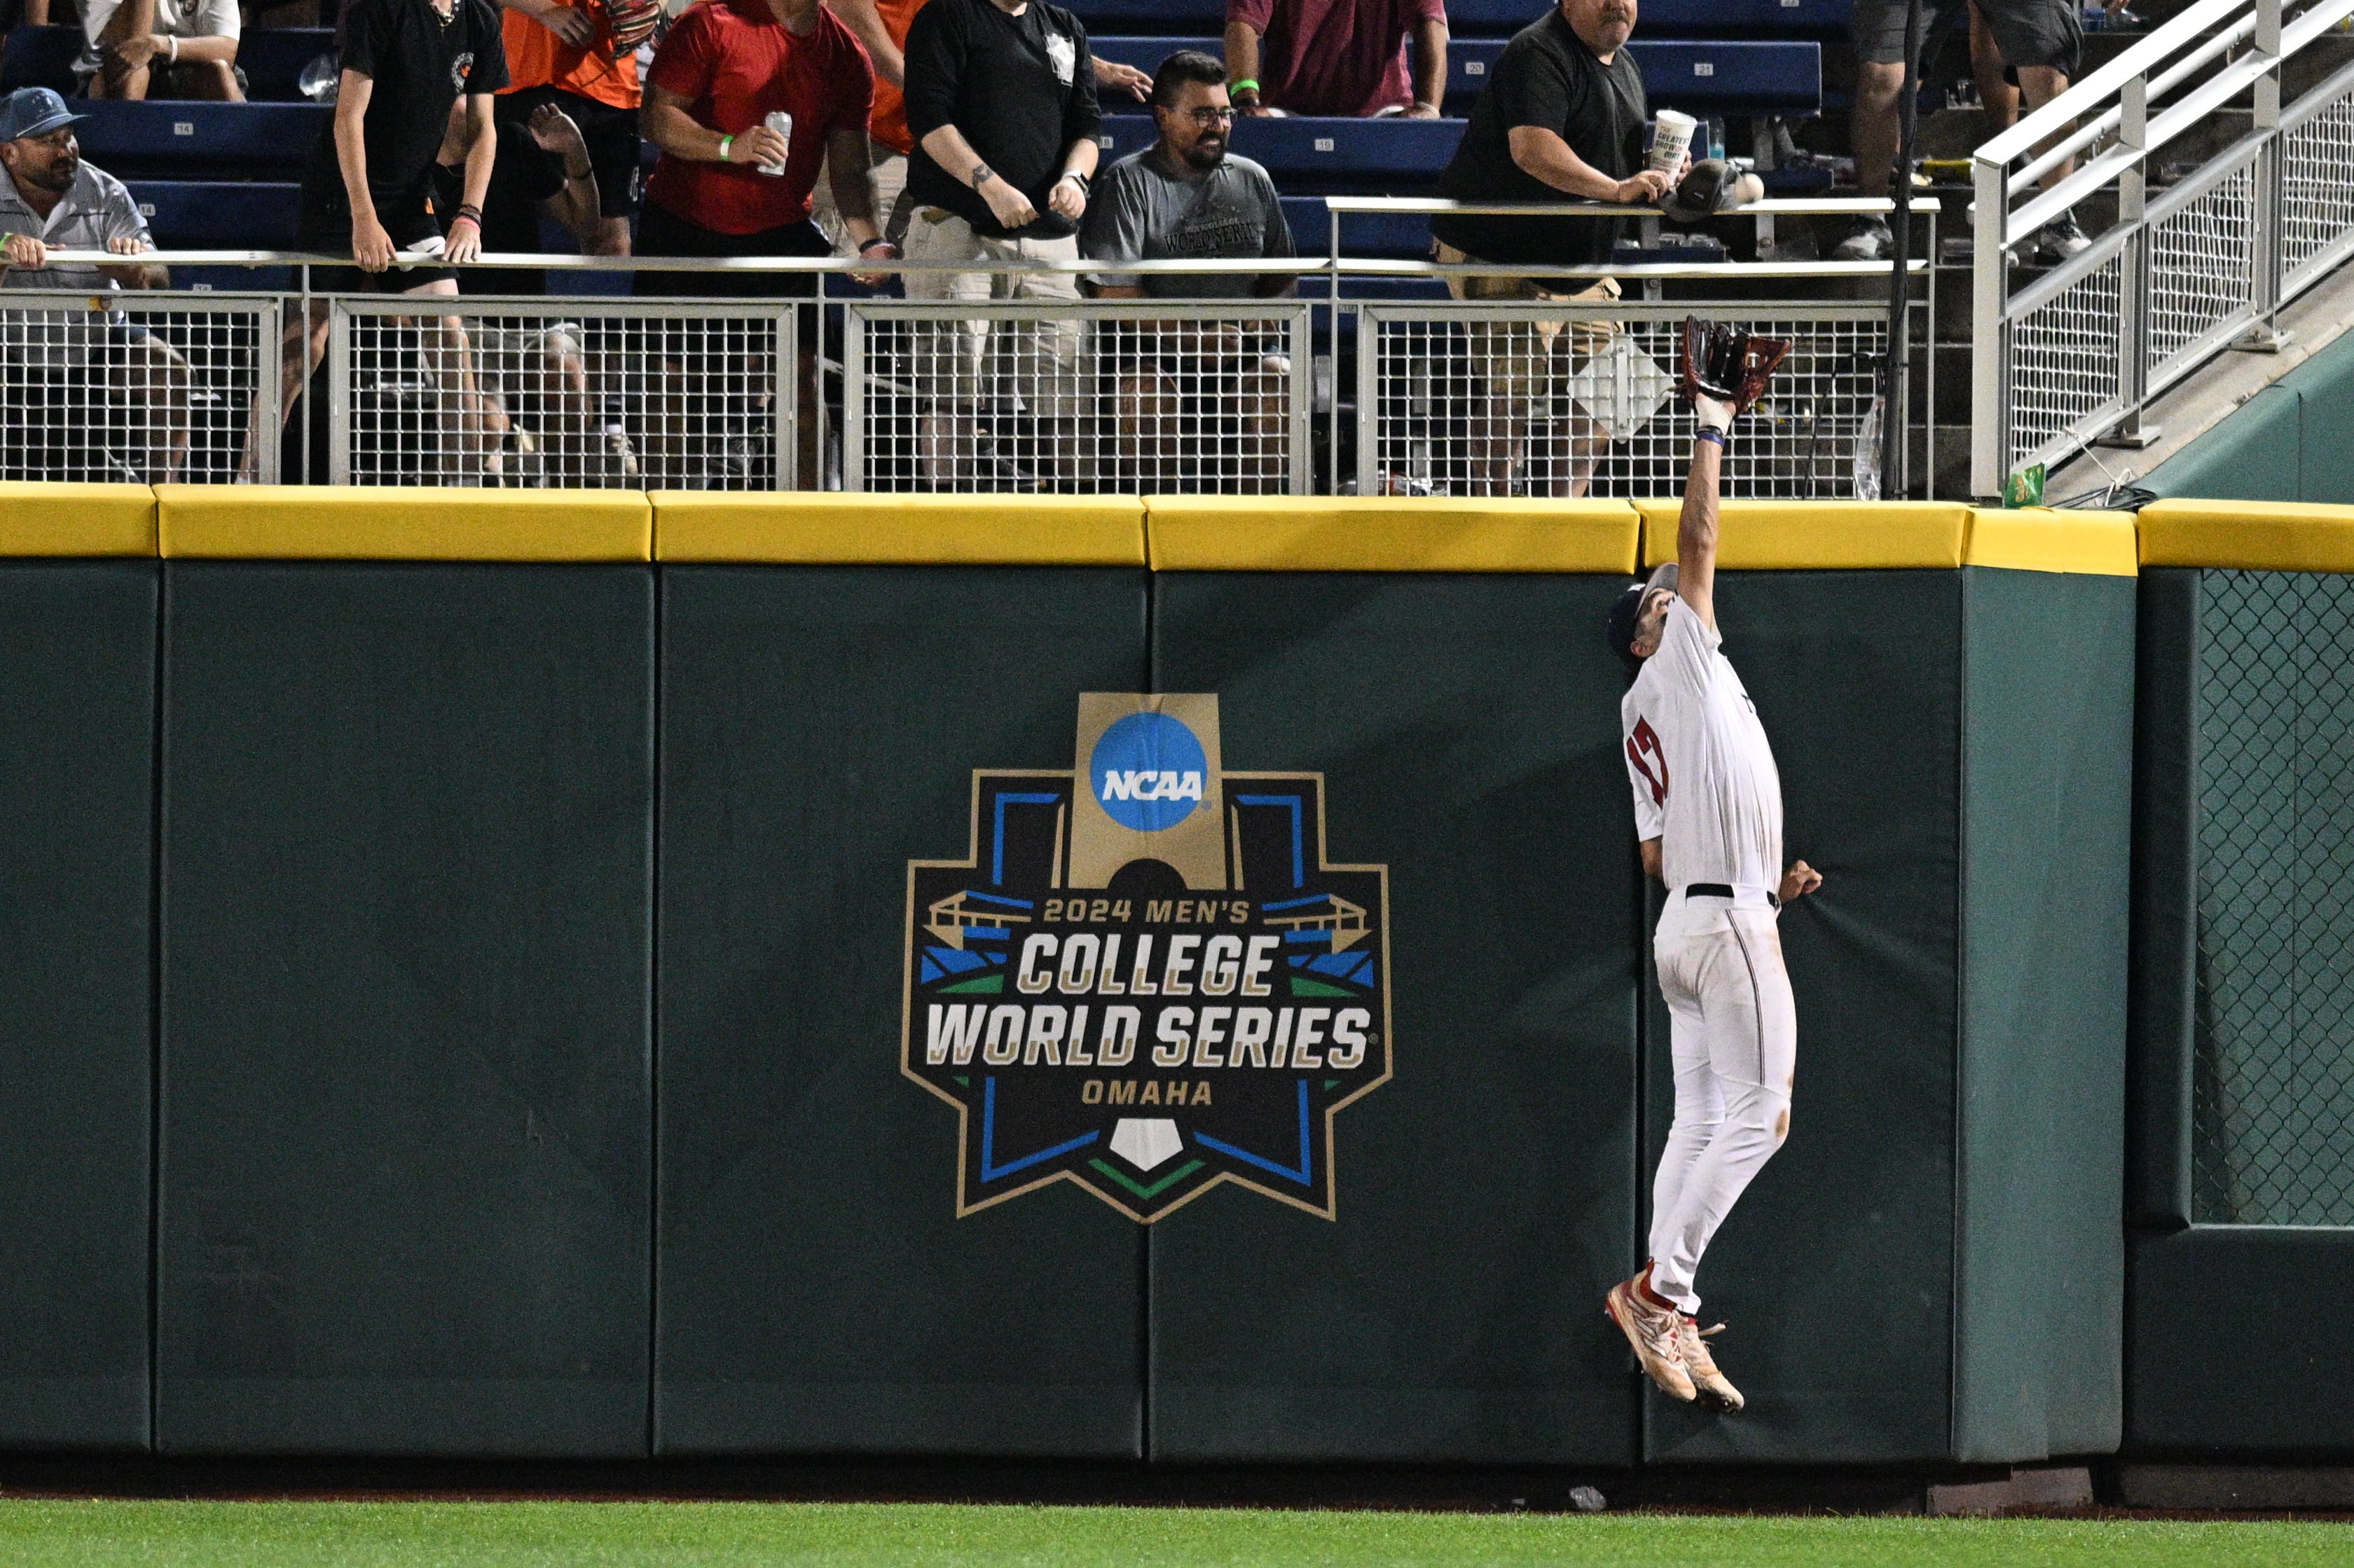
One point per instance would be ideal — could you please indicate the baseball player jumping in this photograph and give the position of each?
(1708, 811)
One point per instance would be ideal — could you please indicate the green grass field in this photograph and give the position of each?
(725, 1535)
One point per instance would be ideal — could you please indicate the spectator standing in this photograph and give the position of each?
(581, 57)
(1187, 196)
(161, 49)
(2042, 42)
(368, 187)
(51, 200)
(882, 27)
(542, 167)
(1337, 57)
(725, 66)
(1002, 102)
(1562, 116)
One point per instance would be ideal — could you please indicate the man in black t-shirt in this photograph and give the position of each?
(1563, 117)
(368, 185)
(1002, 103)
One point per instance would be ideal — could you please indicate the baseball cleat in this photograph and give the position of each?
(1713, 1387)
(1655, 1333)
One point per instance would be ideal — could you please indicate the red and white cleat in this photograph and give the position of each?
(1656, 1331)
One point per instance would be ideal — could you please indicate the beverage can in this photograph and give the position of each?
(780, 121)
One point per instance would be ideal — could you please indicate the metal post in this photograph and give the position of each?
(1896, 410)
(854, 398)
(2263, 258)
(786, 407)
(1369, 344)
(339, 390)
(268, 419)
(1989, 331)
(1333, 336)
(2134, 431)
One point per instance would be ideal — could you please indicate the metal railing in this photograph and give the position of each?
(1252, 395)
(2205, 248)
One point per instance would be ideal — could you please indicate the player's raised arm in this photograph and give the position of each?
(1724, 371)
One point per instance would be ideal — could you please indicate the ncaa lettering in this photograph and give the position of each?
(1146, 784)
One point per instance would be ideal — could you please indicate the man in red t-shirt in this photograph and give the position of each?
(1337, 57)
(724, 68)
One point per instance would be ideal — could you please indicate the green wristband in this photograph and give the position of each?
(724, 142)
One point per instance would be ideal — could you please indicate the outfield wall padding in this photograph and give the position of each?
(77, 823)
(407, 926)
(820, 726)
(1468, 737)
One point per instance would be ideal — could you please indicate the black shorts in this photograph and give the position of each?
(2046, 33)
(611, 134)
(326, 225)
(664, 233)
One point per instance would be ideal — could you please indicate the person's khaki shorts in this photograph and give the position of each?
(1515, 359)
(970, 361)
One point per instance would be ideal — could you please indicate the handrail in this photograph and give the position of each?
(2080, 337)
(1768, 207)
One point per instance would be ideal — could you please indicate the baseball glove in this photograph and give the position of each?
(1725, 365)
(632, 22)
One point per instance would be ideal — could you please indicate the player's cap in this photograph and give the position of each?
(34, 112)
(1628, 606)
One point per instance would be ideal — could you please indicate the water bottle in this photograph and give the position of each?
(1716, 136)
(1867, 452)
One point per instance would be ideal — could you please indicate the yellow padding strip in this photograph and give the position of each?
(43, 519)
(2039, 539)
(900, 530)
(1388, 534)
(347, 523)
(2274, 536)
(1803, 535)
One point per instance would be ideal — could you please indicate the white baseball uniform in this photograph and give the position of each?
(1705, 785)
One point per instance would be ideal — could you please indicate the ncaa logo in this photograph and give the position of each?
(1147, 771)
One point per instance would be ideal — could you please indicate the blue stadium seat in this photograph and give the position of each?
(1146, 53)
(1308, 156)
(273, 59)
(1745, 18)
(39, 57)
(1155, 17)
(1502, 18)
(1405, 236)
(216, 140)
(210, 215)
(1784, 77)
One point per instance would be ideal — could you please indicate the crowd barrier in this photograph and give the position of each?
(480, 921)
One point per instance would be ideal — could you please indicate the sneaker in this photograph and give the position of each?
(1713, 1387)
(1655, 1331)
(2060, 240)
(1866, 239)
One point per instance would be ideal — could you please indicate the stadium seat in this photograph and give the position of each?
(1146, 53)
(1310, 156)
(210, 215)
(1782, 76)
(1152, 18)
(273, 59)
(39, 57)
(1406, 236)
(1745, 18)
(214, 140)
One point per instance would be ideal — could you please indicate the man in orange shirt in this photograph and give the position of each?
(582, 57)
(882, 27)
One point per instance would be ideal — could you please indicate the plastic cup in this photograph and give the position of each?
(1671, 135)
(782, 124)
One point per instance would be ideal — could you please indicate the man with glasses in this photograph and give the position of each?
(53, 359)
(1180, 382)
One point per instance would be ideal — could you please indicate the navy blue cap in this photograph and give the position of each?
(34, 112)
(1628, 608)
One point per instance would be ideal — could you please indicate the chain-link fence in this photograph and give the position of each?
(575, 394)
(2273, 1102)
(1566, 399)
(1107, 398)
(117, 386)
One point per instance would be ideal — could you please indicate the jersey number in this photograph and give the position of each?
(1646, 739)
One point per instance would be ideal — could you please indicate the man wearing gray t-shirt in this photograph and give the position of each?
(1203, 402)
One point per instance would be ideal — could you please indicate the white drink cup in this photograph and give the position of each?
(781, 123)
(1671, 135)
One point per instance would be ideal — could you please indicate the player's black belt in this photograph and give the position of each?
(1719, 890)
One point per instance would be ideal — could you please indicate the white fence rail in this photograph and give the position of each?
(2191, 266)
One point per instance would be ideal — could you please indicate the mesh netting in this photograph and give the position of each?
(133, 391)
(2202, 266)
(2272, 1106)
(2317, 194)
(2064, 359)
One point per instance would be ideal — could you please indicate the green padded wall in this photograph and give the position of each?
(2215, 1368)
(2161, 1033)
(1467, 729)
(2047, 785)
(77, 823)
(820, 728)
(407, 926)
(1858, 678)
(2294, 440)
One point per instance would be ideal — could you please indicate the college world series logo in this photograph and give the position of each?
(1143, 976)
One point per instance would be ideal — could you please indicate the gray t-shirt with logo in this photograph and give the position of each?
(1139, 213)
